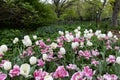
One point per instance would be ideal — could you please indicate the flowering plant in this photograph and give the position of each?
(74, 55)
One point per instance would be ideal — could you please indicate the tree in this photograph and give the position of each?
(116, 9)
(99, 6)
(62, 5)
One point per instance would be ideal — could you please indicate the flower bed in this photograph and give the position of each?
(74, 55)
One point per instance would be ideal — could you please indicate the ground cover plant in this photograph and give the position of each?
(81, 54)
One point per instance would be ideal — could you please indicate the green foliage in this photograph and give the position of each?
(25, 14)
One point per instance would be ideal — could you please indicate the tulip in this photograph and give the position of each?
(109, 34)
(3, 76)
(25, 69)
(34, 37)
(7, 65)
(33, 60)
(48, 77)
(53, 45)
(44, 56)
(118, 60)
(3, 48)
(62, 50)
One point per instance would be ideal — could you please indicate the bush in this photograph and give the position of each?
(24, 14)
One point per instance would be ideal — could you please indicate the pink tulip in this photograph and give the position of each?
(88, 72)
(48, 40)
(72, 67)
(110, 77)
(111, 59)
(60, 72)
(15, 71)
(39, 74)
(95, 52)
(2, 63)
(3, 76)
(42, 44)
(41, 62)
(94, 62)
(85, 54)
(77, 76)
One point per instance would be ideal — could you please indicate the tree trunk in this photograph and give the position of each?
(100, 12)
(116, 9)
(78, 11)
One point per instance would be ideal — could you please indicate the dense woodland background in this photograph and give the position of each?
(37, 13)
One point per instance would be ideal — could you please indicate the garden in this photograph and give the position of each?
(59, 40)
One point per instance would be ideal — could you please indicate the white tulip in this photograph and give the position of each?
(76, 30)
(91, 31)
(53, 45)
(88, 36)
(15, 40)
(34, 37)
(74, 45)
(25, 69)
(37, 42)
(66, 32)
(115, 37)
(89, 43)
(98, 32)
(81, 44)
(109, 34)
(85, 35)
(78, 34)
(44, 56)
(7, 65)
(71, 37)
(103, 35)
(58, 40)
(100, 36)
(27, 42)
(78, 27)
(62, 50)
(3, 48)
(67, 37)
(48, 77)
(33, 60)
(26, 37)
(118, 60)
(61, 33)
(1, 52)
(86, 31)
